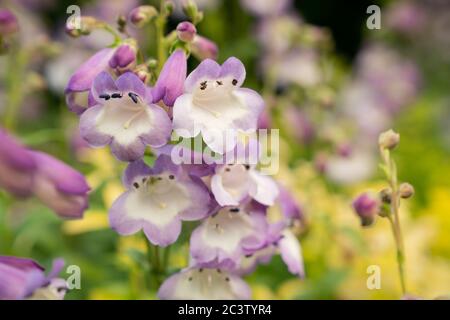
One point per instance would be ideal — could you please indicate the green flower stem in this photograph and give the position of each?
(14, 84)
(394, 217)
(160, 26)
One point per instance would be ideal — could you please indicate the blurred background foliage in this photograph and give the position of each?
(336, 250)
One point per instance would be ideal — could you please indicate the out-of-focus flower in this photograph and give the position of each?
(141, 15)
(23, 278)
(215, 105)
(366, 207)
(299, 124)
(186, 31)
(357, 166)
(406, 17)
(389, 139)
(124, 117)
(59, 186)
(157, 200)
(8, 22)
(169, 85)
(289, 206)
(226, 236)
(16, 166)
(25, 172)
(266, 8)
(198, 283)
(203, 48)
(304, 61)
(232, 183)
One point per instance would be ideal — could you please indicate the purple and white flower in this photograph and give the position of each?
(157, 200)
(224, 237)
(215, 105)
(23, 278)
(232, 183)
(78, 90)
(199, 283)
(124, 117)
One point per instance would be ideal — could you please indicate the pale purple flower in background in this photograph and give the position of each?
(204, 48)
(124, 117)
(16, 166)
(266, 8)
(405, 17)
(231, 183)
(227, 235)
(23, 278)
(59, 186)
(297, 66)
(269, 30)
(157, 200)
(24, 172)
(8, 22)
(299, 124)
(200, 283)
(169, 85)
(356, 167)
(215, 105)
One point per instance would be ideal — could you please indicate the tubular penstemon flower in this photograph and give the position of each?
(157, 200)
(215, 105)
(59, 186)
(78, 95)
(224, 237)
(25, 172)
(16, 166)
(199, 283)
(78, 91)
(232, 183)
(170, 82)
(124, 117)
(23, 278)
(203, 48)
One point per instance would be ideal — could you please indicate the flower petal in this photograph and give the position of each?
(291, 253)
(233, 68)
(207, 69)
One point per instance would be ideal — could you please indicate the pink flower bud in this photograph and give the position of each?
(203, 48)
(186, 31)
(124, 57)
(141, 15)
(366, 207)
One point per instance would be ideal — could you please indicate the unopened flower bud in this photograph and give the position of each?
(168, 8)
(406, 190)
(8, 22)
(141, 15)
(389, 139)
(203, 48)
(81, 26)
(186, 31)
(124, 57)
(366, 207)
(386, 195)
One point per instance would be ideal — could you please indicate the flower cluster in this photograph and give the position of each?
(130, 106)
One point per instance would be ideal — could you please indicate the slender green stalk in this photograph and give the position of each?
(394, 218)
(160, 25)
(15, 79)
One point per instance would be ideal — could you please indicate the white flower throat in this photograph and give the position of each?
(215, 95)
